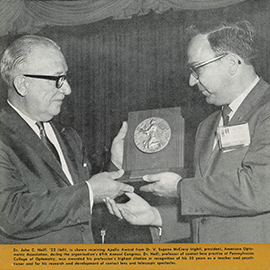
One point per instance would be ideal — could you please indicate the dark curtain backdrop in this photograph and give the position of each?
(138, 64)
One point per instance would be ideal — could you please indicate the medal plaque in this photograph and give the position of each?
(154, 143)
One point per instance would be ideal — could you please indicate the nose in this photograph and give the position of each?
(65, 89)
(192, 80)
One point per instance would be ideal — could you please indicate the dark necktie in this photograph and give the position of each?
(46, 141)
(225, 114)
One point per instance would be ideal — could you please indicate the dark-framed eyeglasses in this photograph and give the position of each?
(59, 80)
(194, 70)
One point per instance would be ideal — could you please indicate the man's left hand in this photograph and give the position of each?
(117, 149)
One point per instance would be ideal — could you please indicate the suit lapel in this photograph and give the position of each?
(67, 152)
(251, 101)
(207, 154)
(24, 133)
(208, 143)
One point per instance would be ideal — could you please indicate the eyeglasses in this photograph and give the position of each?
(58, 79)
(194, 70)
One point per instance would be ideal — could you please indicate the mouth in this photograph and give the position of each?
(58, 100)
(204, 91)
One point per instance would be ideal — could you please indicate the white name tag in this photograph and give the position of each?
(232, 137)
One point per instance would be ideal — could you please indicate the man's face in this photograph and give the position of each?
(213, 78)
(43, 99)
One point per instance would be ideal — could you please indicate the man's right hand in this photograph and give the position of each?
(104, 185)
(136, 211)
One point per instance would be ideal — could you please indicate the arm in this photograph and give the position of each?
(164, 221)
(34, 199)
(237, 183)
(28, 209)
(102, 184)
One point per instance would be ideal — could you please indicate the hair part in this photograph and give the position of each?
(19, 52)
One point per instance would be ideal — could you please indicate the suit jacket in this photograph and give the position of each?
(228, 200)
(37, 202)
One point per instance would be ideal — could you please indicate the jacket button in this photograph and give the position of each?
(78, 220)
(69, 222)
(203, 220)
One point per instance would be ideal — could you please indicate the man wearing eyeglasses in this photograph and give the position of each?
(46, 186)
(227, 200)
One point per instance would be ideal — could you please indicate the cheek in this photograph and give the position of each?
(43, 102)
(211, 84)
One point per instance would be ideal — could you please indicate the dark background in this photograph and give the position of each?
(117, 66)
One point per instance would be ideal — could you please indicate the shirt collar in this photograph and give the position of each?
(238, 101)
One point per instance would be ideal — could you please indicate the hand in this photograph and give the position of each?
(165, 184)
(103, 185)
(136, 211)
(117, 149)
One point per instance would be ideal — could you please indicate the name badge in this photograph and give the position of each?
(233, 137)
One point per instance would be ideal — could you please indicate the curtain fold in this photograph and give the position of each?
(20, 16)
(10, 11)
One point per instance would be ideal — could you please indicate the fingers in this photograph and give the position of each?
(112, 207)
(127, 188)
(152, 177)
(147, 188)
(124, 187)
(126, 214)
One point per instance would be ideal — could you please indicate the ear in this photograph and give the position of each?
(234, 63)
(21, 85)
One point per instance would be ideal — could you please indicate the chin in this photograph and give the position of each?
(52, 114)
(209, 101)
(55, 110)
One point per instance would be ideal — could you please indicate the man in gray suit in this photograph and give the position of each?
(227, 200)
(47, 189)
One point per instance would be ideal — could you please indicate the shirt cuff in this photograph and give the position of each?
(91, 197)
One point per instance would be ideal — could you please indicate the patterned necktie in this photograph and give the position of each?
(46, 141)
(225, 114)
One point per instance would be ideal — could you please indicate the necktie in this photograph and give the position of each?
(225, 114)
(46, 141)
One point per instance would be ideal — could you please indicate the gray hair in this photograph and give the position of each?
(17, 54)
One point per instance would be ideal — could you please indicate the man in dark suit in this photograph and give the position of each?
(46, 186)
(227, 200)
